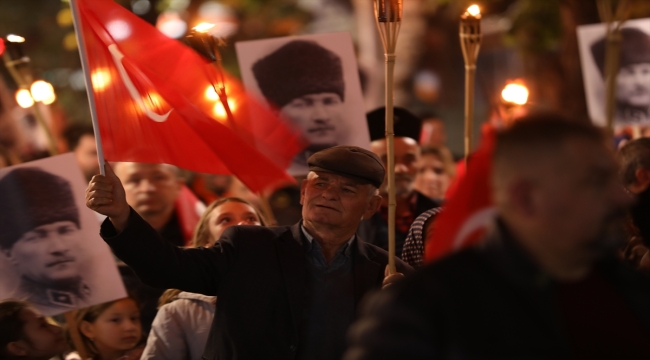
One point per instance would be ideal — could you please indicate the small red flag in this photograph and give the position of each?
(469, 208)
(155, 103)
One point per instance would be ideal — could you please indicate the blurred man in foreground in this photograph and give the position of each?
(544, 284)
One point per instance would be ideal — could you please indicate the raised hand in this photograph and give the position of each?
(105, 195)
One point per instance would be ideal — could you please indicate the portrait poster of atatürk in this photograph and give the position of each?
(312, 81)
(51, 254)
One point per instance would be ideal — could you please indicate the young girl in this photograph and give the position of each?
(26, 334)
(112, 330)
(181, 327)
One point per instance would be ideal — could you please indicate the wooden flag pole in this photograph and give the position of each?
(470, 41)
(76, 20)
(612, 52)
(388, 14)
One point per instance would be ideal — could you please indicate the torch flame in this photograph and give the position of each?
(474, 10)
(515, 93)
(203, 27)
(15, 38)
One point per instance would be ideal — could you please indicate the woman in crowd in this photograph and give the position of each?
(26, 334)
(112, 330)
(181, 327)
(435, 173)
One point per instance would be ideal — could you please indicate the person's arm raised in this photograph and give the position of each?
(105, 195)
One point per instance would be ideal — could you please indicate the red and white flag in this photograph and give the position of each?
(469, 209)
(155, 103)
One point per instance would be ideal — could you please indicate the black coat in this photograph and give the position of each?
(259, 274)
(487, 302)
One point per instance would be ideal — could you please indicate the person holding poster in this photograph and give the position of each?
(40, 236)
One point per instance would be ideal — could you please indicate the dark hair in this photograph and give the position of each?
(73, 133)
(633, 156)
(11, 325)
(542, 131)
(201, 231)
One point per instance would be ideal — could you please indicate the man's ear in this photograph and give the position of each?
(303, 186)
(373, 206)
(642, 178)
(6, 253)
(17, 348)
(521, 197)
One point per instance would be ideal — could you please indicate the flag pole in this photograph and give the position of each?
(613, 38)
(76, 20)
(388, 14)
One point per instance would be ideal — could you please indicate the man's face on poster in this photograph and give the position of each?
(320, 116)
(633, 85)
(48, 253)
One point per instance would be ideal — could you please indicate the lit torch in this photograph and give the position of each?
(514, 97)
(470, 41)
(207, 46)
(389, 17)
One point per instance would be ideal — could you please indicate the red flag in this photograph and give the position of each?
(189, 210)
(469, 209)
(155, 103)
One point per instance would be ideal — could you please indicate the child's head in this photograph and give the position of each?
(222, 214)
(26, 334)
(110, 328)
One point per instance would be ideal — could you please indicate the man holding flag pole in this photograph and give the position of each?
(284, 292)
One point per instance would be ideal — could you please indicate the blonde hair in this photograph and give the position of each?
(202, 230)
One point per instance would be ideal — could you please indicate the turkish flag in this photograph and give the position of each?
(469, 208)
(156, 103)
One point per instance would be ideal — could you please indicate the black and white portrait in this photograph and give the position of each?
(632, 80)
(312, 81)
(51, 252)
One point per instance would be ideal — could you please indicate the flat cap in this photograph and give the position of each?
(350, 161)
(31, 197)
(406, 124)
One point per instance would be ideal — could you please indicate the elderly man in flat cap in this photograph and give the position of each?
(40, 237)
(305, 82)
(284, 292)
(633, 79)
(410, 202)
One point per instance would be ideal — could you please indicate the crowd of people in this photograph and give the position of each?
(561, 273)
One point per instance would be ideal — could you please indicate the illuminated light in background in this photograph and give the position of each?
(42, 90)
(171, 24)
(50, 99)
(15, 38)
(474, 10)
(118, 29)
(70, 41)
(203, 27)
(155, 101)
(24, 98)
(222, 16)
(64, 17)
(515, 93)
(101, 79)
(141, 7)
(220, 111)
(211, 94)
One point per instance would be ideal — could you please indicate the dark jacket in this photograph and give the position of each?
(487, 302)
(375, 229)
(258, 273)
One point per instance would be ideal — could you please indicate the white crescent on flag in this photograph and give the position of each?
(478, 220)
(117, 58)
